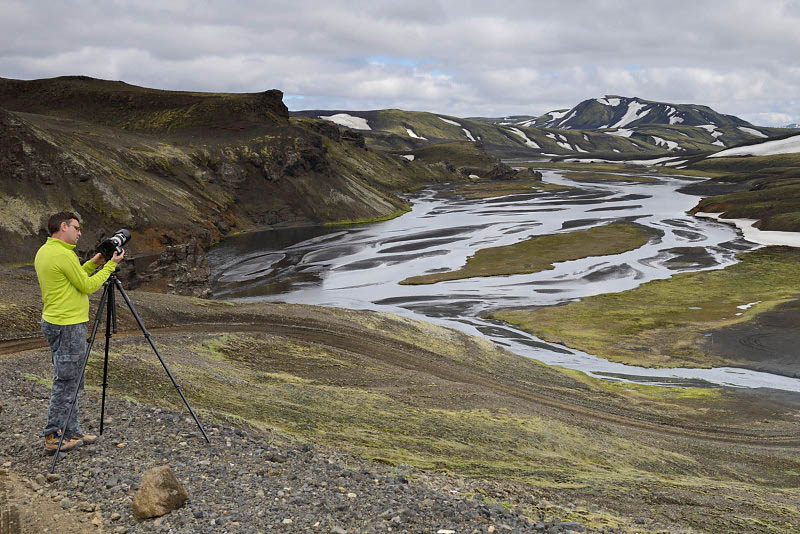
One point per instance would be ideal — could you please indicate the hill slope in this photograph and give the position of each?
(610, 127)
(174, 166)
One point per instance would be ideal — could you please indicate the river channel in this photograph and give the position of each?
(360, 267)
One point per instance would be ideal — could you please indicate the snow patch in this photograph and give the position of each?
(748, 306)
(555, 115)
(708, 127)
(412, 134)
(751, 131)
(579, 149)
(613, 102)
(568, 118)
(718, 143)
(565, 146)
(632, 114)
(754, 235)
(767, 148)
(468, 134)
(409, 157)
(621, 133)
(675, 163)
(521, 134)
(448, 121)
(671, 145)
(675, 119)
(343, 119)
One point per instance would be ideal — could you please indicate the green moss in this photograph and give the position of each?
(36, 379)
(541, 252)
(662, 323)
(607, 177)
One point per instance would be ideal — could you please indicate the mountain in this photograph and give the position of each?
(175, 167)
(630, 112)
(611, 127)
(794, 125)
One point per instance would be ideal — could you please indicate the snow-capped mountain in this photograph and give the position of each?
(629, 112)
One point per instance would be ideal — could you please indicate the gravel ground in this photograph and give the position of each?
(245, 481)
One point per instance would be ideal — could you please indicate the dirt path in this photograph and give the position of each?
(565, 404)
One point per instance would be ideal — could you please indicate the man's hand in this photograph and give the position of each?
(118, 257)
(98, 259)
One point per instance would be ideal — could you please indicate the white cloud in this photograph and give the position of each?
(459, 58)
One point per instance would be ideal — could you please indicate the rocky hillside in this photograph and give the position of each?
(178, 166)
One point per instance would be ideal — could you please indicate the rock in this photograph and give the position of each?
(159, 493)
(52, 477)
(86, 507)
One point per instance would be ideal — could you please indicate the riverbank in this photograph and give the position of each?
(742, 316)
(451, 412)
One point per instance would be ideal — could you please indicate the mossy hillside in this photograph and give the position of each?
(404, 392)
(406, 417)
(541, 252)
(663, 323)
(773, 190)
(171, 192)
(129, 107)
(423, 124)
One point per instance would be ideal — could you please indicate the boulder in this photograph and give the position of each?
(159, 493)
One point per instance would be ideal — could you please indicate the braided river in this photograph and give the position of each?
(360, 267)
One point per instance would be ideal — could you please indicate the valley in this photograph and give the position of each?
(530, 309)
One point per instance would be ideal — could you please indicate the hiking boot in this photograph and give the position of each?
(51, 443)
(85, 438)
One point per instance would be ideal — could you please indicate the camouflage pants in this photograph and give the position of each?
(68, 347)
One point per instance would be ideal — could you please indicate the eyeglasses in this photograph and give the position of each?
(78, 228)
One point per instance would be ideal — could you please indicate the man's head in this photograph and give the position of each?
(65, 226)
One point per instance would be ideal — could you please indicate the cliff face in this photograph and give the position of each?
(174, 166)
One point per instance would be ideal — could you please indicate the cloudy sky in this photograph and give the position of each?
(463, 58)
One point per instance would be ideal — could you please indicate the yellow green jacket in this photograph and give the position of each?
(65, 283)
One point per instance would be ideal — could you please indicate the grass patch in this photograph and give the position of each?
(661, 323)
(596, 177)
(539, 253)
(495, 188)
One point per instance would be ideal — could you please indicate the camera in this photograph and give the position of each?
(114, 243)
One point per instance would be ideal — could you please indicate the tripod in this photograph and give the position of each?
(108, 300)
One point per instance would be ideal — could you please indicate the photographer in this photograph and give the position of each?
(66, 286)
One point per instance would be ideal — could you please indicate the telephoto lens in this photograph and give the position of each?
(114, 243)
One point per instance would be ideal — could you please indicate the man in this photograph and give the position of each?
(66, 286)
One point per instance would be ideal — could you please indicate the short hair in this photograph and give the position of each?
(54, 223)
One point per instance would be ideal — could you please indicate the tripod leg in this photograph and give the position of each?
(89, 345)
(109, 317)
(153, 346)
